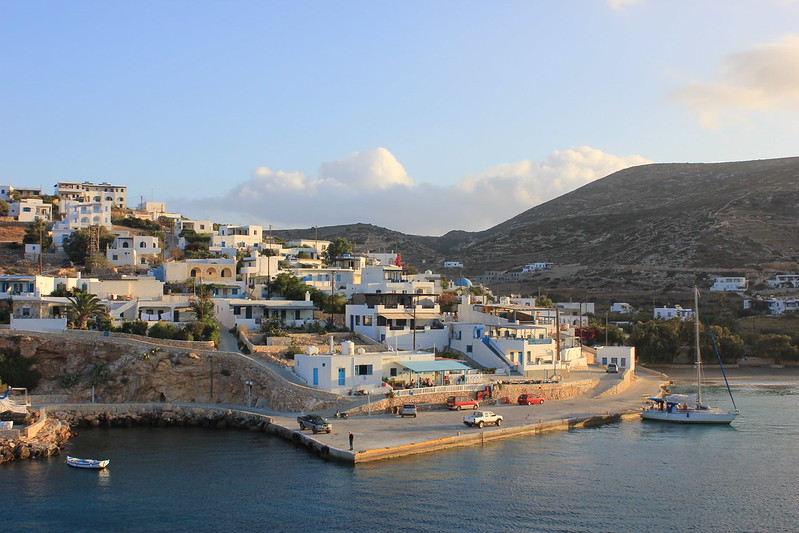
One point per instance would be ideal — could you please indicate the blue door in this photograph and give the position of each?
(341, 378)
(316, 376)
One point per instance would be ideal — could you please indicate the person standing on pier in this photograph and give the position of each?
(352, 438)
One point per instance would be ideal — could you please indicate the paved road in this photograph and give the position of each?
(382, 430)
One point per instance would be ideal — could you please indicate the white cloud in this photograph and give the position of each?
(762, 79)
(373, 187)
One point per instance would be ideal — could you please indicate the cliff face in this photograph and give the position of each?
(127, 371)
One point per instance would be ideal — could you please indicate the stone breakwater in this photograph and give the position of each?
(165, 415)
(47, 442)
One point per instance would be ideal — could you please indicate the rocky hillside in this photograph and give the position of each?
(648, 227)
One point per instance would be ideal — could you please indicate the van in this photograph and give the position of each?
(459, 402)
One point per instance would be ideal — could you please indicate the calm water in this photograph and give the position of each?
(627, 477)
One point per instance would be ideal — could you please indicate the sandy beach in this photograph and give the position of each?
(743, 375)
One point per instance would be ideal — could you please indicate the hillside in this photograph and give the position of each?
(653, 227)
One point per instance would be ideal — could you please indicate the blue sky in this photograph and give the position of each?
(419, 116)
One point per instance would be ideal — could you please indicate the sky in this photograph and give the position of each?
(418, 116)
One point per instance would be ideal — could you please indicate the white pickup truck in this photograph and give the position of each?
(481, 418)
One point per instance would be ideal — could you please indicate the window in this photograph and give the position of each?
(357, 320)
(363, 370)
(367, 320)
(468, 348)
(297, 315)
(393, 372)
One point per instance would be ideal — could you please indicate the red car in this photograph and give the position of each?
(529, 399)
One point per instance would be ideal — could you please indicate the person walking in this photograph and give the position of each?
(352, 438)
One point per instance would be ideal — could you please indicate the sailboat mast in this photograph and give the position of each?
(698, 361)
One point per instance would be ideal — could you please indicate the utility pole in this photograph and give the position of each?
(41, 247)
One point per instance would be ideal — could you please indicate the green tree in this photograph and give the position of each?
(289, 286)
(544, 301)
(76, 245)
(36, 231)
(339, 247)
(655, 341)
(778, 347)
(82, 306)
(203, 305)
(3, 208)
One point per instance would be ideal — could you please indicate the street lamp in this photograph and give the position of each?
(249, 392)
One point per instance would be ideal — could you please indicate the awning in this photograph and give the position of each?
(434, 366)
(396, 316)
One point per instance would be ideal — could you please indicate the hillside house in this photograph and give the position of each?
(782, 281)
(87, 192)
(80, 215)
(31, 210)
(134, 250)
(622, 308)
(233, 313)
(667, 313)
(404, 321)
(729, 284)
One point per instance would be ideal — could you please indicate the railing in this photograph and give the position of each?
(442, 388)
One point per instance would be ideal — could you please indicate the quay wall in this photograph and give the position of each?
(506, 393)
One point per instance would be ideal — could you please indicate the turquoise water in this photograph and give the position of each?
(632, 476)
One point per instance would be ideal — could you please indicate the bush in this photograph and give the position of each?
(135, 327)
(69, 380)
(161, 330)
(16, 370)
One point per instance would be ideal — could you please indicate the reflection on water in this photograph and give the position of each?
(632, 476)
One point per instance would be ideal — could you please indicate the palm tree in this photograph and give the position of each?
(82, 306)
(203, 307)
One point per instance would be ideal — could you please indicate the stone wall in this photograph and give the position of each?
(500, 394)
(47, 442)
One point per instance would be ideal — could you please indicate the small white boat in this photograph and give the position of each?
(87, 463)
(690, 409)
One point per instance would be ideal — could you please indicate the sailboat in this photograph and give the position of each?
(689, 408)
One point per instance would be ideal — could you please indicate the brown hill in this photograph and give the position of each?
(652, 227)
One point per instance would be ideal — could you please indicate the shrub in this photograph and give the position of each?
(161, 330)
(16, 370)
(69, 379)
(135, 327)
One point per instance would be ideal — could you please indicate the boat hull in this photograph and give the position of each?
(87, 463)
(689, 416)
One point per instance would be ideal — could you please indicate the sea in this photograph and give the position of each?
(628, 477)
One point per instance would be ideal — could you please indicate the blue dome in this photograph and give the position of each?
(463, 282)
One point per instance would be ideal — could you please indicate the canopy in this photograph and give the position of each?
(434, 366)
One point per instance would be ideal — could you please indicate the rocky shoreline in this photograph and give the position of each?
(47, 442)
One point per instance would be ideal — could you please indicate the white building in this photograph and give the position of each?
(729, 284)
(536, 267)
(621, 307)
(784, 281)
(384, 279)
(129, 250)
(358, 372)
(80, 215)
(774, 306)
(89, 192)
(623, 356)
(521, 340)
(238, 237)
(11, 285)
(453, 264)
(233, 313)
(327, 280)
(403, 321)
(201, 270)
(31, 210)
(667, 313)
(38, 313)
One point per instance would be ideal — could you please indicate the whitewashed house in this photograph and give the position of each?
(667, 313)
(453, 264)
(200, 270)
(772, 305)
(729, 284)
(784, 281)
(622, 308)
(238, 237)
(623, 356)
(80, 215)
(88, 192)
(536, 267)
(31, 210)
(127, 250)
(403, 321)
(38, 313)
(233, 313)
(327, 280)
(385, 279)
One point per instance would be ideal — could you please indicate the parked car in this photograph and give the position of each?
(459, 402)
(612, 368)
(481, 418)
(315, 423)
(529, 399)
(408, 409)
